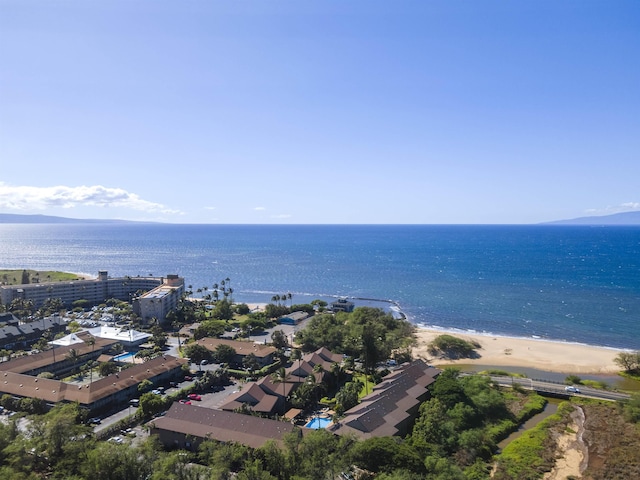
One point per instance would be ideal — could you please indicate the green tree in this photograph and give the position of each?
(250, 362)
(145, 385)
(197, 353)
(150, 403)
(279, 339)
(222, 310)
(448, 346)
(281, 376)
(628, 361)
(73, 357)
(224, 353)
(385, 454)
(348, 396)
(107, 368)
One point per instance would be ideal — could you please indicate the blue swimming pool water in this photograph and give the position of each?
(124, 357)
(318, 423)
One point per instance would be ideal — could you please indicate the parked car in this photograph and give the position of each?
(185, 402)
(187, 378)
(95, 421)
(572, 389)
(194, 396)
(157, 392)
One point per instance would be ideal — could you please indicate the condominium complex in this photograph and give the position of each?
(152, 297)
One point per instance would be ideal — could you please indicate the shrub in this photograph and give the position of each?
(452, 347)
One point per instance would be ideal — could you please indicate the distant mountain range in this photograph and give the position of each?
(15, 218)
(625, 218)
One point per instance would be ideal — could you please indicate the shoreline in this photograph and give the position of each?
(540, 354)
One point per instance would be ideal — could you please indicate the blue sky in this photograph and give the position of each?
(320, 111)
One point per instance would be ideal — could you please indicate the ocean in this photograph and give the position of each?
(569, 283)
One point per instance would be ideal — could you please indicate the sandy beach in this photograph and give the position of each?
(533, 353)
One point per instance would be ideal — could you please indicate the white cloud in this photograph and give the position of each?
(41, 198)
(611, 209)
(209, 208)
(259, 209)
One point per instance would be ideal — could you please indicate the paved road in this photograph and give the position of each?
(559, 389)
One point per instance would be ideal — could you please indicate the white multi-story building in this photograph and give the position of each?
(155, 304)
(162, 294)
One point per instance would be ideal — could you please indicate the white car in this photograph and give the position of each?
(572, 389)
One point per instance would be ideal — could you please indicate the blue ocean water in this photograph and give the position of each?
(576, 284)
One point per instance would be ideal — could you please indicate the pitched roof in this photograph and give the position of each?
(207, 423)
(43, 359)
(56, 390)
(254, 396)
(242, 348)
(391, 404)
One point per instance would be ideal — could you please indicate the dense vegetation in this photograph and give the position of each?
(454, 437)
(367, 334)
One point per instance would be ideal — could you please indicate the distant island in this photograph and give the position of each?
(625, 218)
(17, 218)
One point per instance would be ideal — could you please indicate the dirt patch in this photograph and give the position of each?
(613, 444)
(571, 449)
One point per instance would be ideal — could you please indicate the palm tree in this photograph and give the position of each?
(91, 341)
(73, 357)
(281, 376)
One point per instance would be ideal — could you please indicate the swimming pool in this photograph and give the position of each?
(124, 357)
(318, 422)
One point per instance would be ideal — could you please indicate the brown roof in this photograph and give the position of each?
(254, 396)
(241, 348)
(391, 404)
(31, 362)
(207, 423)
(56, 390)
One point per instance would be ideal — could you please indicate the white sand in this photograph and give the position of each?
(533, 353)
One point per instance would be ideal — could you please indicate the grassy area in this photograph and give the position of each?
(367, 382)
(14, 277)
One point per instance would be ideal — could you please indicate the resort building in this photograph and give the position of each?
(155, 304)
(318, 363)
(342, 305)
(93, 290)
(20, 382)
(60, 360)
(268, 397)
(128, 337)
(392, 407)
(187, 426)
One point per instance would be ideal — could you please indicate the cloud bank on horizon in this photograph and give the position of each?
(29, 198)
